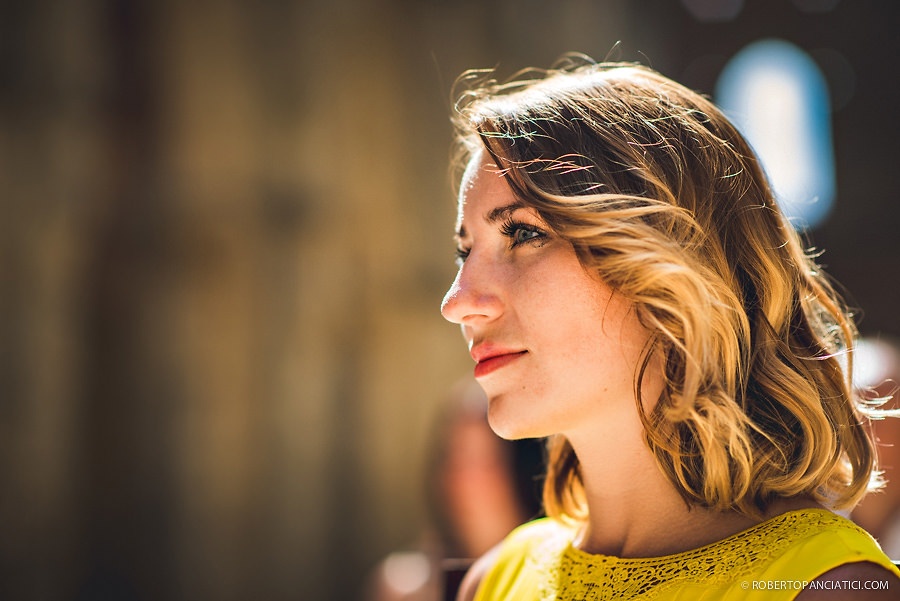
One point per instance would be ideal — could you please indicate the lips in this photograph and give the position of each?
(490, 358)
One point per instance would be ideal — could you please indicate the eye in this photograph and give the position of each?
(521, 233)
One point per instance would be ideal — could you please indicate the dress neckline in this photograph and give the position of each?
(715, 547)
(564, 573)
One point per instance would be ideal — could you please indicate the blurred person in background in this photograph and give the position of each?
(629, 288)
(877, 377)
(479, 488)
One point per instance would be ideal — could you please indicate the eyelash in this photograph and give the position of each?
(510, 228)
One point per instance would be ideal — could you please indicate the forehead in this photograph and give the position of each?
(485, 196)
(473, 167)
(482, 183)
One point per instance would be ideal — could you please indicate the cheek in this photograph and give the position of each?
(599, 335)
(581, 308)
(564, 319)
(559, 287)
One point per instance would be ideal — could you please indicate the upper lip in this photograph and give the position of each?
(488, 350)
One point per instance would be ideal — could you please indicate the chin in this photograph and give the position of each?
(511, 425)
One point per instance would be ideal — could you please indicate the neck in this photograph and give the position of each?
(634, 511)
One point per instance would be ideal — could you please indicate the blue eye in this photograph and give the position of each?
(520, 233)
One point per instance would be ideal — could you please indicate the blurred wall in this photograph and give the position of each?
(225, 234)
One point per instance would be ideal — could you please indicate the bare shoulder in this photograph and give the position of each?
(476, 574)
(862, 581)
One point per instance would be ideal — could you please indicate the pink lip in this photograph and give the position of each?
(491, 358)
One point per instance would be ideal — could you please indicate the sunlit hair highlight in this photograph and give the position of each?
(665, 200)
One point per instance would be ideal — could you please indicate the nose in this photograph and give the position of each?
(473, 297)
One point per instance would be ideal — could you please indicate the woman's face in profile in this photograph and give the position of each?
(556, 349)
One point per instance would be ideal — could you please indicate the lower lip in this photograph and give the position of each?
(494, 363)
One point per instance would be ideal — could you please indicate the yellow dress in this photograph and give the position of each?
(771, 561)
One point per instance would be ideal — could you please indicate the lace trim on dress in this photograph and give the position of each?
(568, 574)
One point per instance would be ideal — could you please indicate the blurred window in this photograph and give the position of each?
(777, 96)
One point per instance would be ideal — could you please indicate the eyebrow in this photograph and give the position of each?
(503, 212)
(495, 215)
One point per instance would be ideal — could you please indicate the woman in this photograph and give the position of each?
(629, 289)
(479, 488)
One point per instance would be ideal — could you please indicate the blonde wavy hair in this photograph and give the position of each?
(660, 194)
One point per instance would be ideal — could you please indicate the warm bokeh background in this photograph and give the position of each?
(225, 234)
